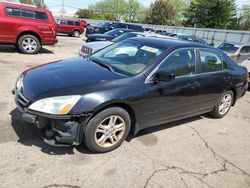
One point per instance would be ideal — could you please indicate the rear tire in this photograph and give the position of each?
(107, 130)
(29, 44)
(77, 34)
(223, 105)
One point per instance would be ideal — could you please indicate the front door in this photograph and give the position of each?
(168, 100)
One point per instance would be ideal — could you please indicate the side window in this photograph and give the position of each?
(27, 13)
(62, 22)
(181, 62)
(13, 12)
(70, 23)
(210, 61)
(245, 49)
(77, 23)
(41, 16)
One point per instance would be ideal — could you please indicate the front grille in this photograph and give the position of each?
(86, 50)
(21, 100)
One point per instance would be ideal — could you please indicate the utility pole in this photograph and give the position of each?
(62, 7)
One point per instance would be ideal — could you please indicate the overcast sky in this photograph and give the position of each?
(55, 5)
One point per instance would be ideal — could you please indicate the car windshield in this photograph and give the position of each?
(125, 36)
(103, 24)
(127, 57)
(231, 48)
(114, 32)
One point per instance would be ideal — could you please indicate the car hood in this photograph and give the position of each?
(64, 77)
(97, 45)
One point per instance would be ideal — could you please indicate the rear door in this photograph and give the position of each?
(213, 78)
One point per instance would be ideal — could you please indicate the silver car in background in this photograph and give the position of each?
(238, 52)
(246, 64)
(92, 47)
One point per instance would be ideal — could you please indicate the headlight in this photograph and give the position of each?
(100, 39)
(55, 105)
(19, 83)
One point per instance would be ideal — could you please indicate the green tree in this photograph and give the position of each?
(116, 9)
(133, 7)
(28, 2)
(211, 14)
(161, 12)
(245, 22)
(83, 13)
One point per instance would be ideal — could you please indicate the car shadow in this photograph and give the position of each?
(29, 135)
(166, 126)
(13, 49)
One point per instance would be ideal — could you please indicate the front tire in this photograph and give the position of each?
(29, 44)
(223, 105)
(107, 130)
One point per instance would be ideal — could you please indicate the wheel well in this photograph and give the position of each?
(29, 33)
(76, 30)
(124, 106)
(235, 95)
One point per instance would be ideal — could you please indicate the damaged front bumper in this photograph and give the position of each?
(57, 130)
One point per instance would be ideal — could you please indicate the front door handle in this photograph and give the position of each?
(193, 84)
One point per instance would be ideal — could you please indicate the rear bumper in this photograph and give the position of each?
(50, 41)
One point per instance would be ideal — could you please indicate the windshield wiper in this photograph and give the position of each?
(104, 65)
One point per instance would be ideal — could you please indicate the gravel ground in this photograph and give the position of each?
(196, 152)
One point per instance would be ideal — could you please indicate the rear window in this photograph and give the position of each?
(70, 23)
(77, 23)
(25, 13)
(13, 12)
(41, 16)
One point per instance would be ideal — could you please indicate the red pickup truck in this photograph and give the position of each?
(70, 27)
(27, 27)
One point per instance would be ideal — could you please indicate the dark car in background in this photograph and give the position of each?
(27, 27)
(91, 47)
(107, 26)
(131, 85)
(187, 37)
(108, 35)
(70, 27)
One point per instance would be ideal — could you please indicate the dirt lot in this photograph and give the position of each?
(197, 152)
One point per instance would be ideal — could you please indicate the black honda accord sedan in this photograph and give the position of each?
(126, 87)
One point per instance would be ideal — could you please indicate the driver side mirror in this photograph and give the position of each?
(163, 76)
(238, 56)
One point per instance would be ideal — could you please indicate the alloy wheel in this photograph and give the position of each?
(110, 131)
(29, 45)
(225, 104)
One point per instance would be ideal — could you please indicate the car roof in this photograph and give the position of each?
(236, 43)
(30, 7)
(123, 29)
(68, 19)
(166, 42)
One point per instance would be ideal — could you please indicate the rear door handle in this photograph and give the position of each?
(193, 84)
